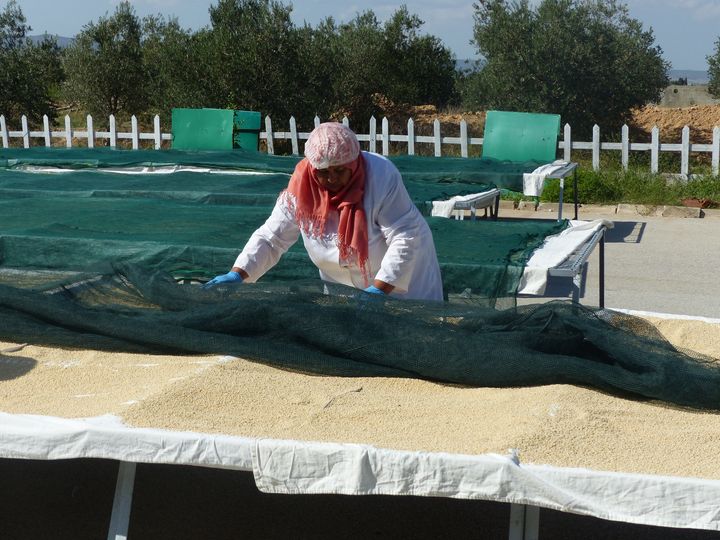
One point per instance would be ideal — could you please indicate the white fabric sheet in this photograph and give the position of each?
(533, 182)
(445, 208)
(320, 467)
(554, 251)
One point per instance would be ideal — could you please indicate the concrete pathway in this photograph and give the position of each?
(660, 264)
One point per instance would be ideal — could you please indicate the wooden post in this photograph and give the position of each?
(4, 132)
(438, 140)
(625, 152)
(346, 121)
(685, 153)
(596, 148)
(157, 133)
(25, 131)
(113, 132)
(655, 150)
(411, 136)
(46, 130)
(385, 136)
(373, 134)
(269, 142)
(90, 132)
(135, 133)
(68, 132)
(716, 151)
(316, 121)
(567, 143)
(294, 137)
(463, 138)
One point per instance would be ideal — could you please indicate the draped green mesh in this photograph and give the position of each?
(93, 258)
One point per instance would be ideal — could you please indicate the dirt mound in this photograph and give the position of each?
(701, 119)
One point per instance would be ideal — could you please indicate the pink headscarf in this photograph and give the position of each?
(329, 145)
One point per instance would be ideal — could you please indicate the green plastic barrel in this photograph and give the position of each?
(246, 130)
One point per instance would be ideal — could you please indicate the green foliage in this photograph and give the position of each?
(250, 58)
(584, 59)
(422, 70)
(634, 186)
(391, 63)
(31, 72)
(171, 65)
(318, 54)
(104, 66)
(360, 47)
(713, 61)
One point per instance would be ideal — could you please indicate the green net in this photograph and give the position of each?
(82, 158)
(167, 222)
(98, 259)
(470, 173)
(303, 326)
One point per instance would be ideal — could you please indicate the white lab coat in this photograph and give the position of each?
(401, 248)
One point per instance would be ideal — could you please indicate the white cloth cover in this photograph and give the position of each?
(555, 250)
(445, 208)
(319, 467)
(533, 182)
(401, 248)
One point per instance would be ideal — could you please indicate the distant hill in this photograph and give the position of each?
(61, 41)
(693, 76)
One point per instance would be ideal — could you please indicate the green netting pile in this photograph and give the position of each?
(91, 258)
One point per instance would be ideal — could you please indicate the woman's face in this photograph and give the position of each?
(334, 178)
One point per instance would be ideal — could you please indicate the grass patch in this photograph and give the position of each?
(635, 186)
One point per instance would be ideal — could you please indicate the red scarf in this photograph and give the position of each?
(313, 203)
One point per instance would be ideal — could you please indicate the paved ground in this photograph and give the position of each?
(660, 264)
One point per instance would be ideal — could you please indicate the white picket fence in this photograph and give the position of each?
(383, 137)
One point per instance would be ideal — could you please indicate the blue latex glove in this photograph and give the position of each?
(372, 289)
(229, 278)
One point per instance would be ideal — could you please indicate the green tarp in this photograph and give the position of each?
(91, 259)
(68, 220)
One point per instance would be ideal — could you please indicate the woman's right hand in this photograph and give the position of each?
(229, 278)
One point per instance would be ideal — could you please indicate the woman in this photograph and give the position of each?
(357, 222)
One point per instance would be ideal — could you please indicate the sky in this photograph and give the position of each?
(686, 30)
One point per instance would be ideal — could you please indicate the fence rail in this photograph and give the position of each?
(382, 137)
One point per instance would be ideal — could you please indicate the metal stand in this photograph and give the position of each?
(524, 522)
(601, 257)
(562, 174)
(122, 503)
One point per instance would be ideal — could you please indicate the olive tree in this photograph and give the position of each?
(250, 57)
(713, 61)
(587, 60)
(104, 65)
(172, 66)
(389, 61)
(31, 72)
